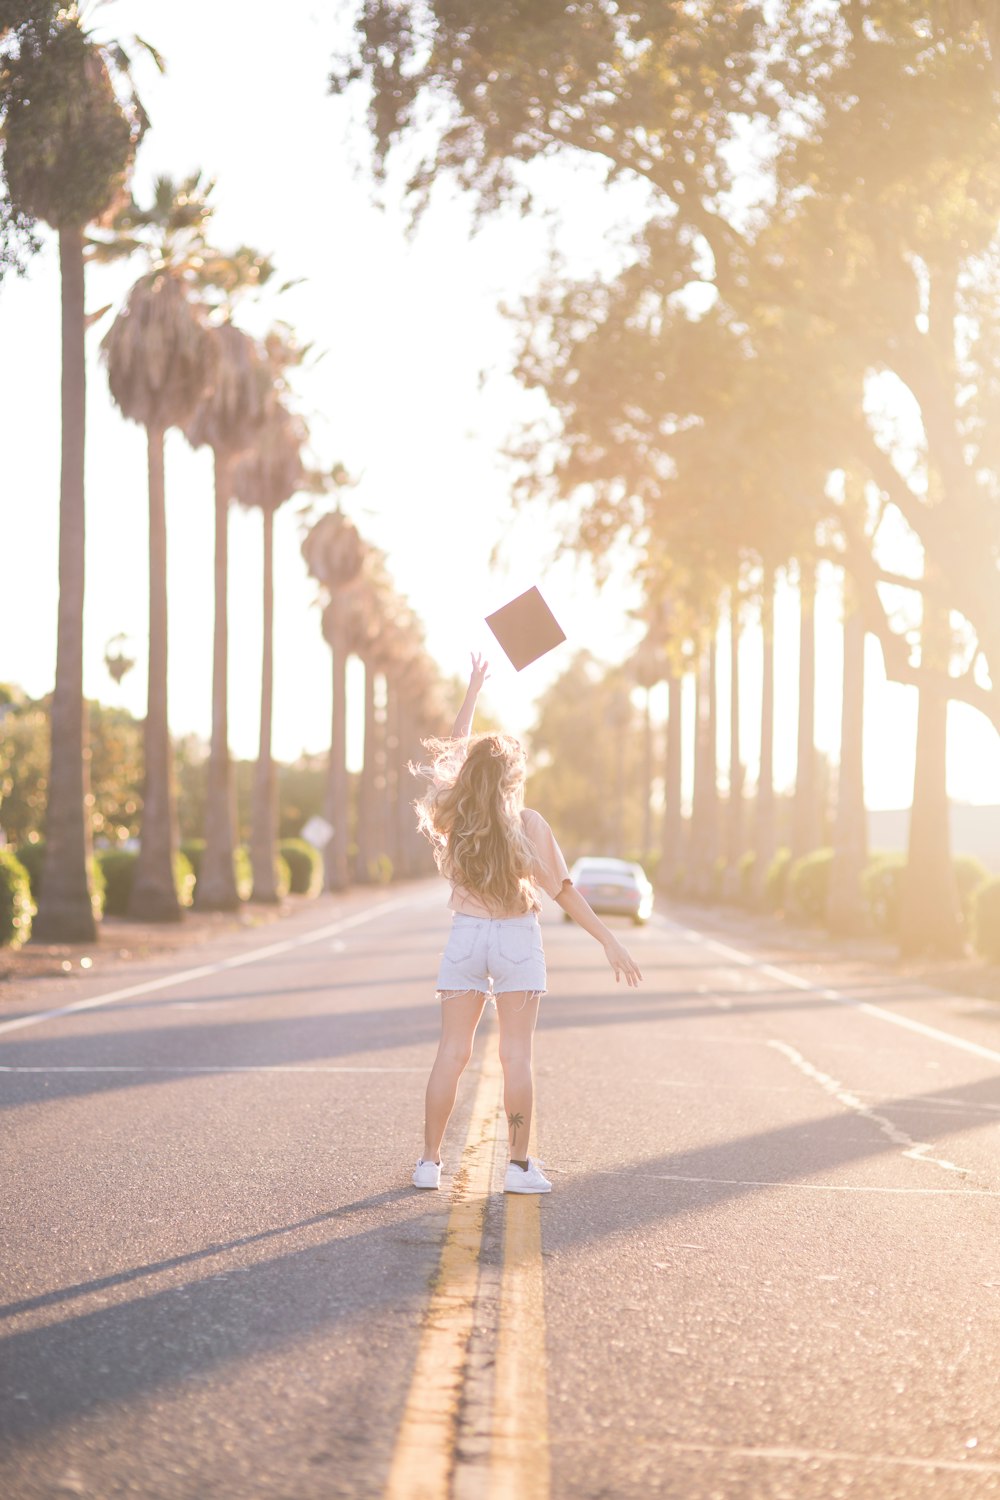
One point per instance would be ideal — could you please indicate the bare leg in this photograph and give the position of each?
(459, 1019)
(517, 1013)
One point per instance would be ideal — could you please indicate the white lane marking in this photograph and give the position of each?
(811, 1187)
(915, 1150)
(837, 1456)
(795, 980)
(923, 1106)
(167, 981)
(222, 1068)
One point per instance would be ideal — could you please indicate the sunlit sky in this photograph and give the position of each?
(408, 325)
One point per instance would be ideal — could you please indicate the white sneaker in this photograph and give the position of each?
(427, 1174)
(517, 1180)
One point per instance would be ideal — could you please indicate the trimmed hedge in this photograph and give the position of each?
(745, 867)
(118, 870)
(986, 920)
(305, 866)
(32, 857)
(16, 908)
(776, 879)
(807, 885)
(194, 850)
(882, 887)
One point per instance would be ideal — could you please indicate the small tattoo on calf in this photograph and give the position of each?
(515, 1122)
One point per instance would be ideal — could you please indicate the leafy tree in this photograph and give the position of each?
(160, 360)
(266, 477)
(71, 123)
(334, 553)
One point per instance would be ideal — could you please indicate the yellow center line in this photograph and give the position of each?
(519, 1460)
(424, 1454)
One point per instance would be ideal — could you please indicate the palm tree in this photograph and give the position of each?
(845, 913)
(334, 554)
(265, 477)
(703, 840)
(806, 810)
(764, 810)
(734, 806)
(930, 918)
(227, 420)
(69, 144)
(160, 361)
(672, 831)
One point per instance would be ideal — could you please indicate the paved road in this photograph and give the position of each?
(770, 1266)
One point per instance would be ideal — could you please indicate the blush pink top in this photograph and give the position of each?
(548, 870)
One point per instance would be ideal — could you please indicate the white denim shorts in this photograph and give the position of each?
(493, 955)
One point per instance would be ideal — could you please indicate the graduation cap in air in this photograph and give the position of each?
(526, 628)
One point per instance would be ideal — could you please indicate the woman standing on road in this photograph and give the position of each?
(496, 854)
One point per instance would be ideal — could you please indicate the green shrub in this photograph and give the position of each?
(305, 866)
(118, 867)
(118, 872)
(807, 884)
(970, 874)
(881, 885)
(745, 866)
(380, 869)
(16, 908)
(32, 857)
(776, 879)
(194, 852)
(986, 920)
(717, 890)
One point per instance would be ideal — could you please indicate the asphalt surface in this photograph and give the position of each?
(770, 1261)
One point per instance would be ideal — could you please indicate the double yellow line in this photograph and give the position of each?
(423, 1460)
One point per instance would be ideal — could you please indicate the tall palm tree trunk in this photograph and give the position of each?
(393, 773)
(805, 809)
(647, 777)
(764, 812)
(734, 806)
(154, 895)
(845, 911)
(929, 918)
(65, 908)
(672, 832)
(263, 838)
(335, 808)
(704, 801)
(216, 889)
(366, 784)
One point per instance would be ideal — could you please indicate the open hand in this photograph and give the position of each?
(623, 963)
(480, 672)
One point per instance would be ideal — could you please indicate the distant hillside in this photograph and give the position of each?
(974, 830)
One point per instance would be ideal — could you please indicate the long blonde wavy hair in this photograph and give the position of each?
(472, 817)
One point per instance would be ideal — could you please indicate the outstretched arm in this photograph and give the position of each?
(463, 724)
(618, 956)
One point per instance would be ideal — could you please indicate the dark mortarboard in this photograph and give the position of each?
(526, 628)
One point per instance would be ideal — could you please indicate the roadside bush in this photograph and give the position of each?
(806, 886)
(881, 884)
(720, 868)
(16, 908)
(305, 866)
(194, 852)
(745, 867)
(970, 874)
(776, 879)
(32, 857)
(118, 872)
(986, 920)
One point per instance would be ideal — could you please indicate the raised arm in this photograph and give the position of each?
(462, 727)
